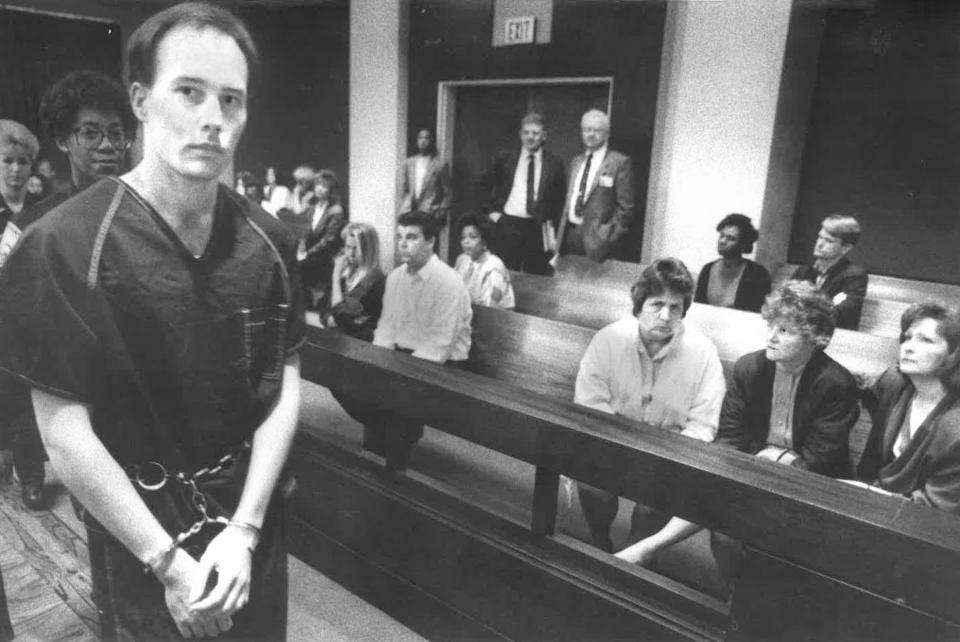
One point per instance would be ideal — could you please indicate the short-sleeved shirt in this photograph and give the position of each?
(178, 357)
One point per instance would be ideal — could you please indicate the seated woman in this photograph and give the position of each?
(322, 241)
(356, 287)
(485, 275)
(789, 403)
(733, 281)
(914, 446)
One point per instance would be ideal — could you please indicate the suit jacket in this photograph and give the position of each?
(497, 182)
(825, 409)
(436, 193)
(844, 277)
(607, 208)
(928, 469)
(753, 288)
(321, 244)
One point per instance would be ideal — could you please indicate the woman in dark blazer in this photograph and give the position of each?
(914, 447)
(322, 241)
(736, 282)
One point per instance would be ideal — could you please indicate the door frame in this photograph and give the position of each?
(447, 91)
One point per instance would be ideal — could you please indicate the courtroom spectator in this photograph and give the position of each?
(913, 450)
(52, 183)
(733, 281)
(275, 195)
(88, 116)
(35, 186)
(425, 184)
(655, 369)
(18, 150)
(599, 207)
(524, 191)
(486, 277)
(249, 185)
(426, 312)
(357, 283)
(303, 180)
(832, 271)
(789, 403)
(322, 242)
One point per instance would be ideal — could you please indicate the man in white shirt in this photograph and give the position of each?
(599, 208)
(525, 191)
(426, 308)
(655, 369)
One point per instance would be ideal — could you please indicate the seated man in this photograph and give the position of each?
(653, 368)
(789, 403)
(426, 310)
(733, 281)
(833, 273)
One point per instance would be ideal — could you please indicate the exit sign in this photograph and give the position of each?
(519, 30)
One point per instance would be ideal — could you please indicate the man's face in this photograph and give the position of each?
(105, 158)
(14, 167)
(414, 249)
(728, 243)
(196, 110)
(424, 141)
(660, 316)
(594, 131)
(532, 136)
(829, 247)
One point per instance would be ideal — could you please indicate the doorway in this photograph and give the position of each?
(479, 118)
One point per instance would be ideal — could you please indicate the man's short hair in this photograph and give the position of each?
(596, 113)
(483, 225)
(844, 227)
(83, 89)
(804, 306)
(748, 233)
(662, 275)
(17, 136)
(140, 56)
(533, 118)
(304, 173)
(427, 223)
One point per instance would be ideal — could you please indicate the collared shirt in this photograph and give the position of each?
(595, 162)
(428, 312)
(420, 174)
(784, 397)
(822, 267)
(680, 388)
(516, 204)
(318, 211)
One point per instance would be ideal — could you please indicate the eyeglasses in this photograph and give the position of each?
(91, 137)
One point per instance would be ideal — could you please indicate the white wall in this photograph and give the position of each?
(378, 113)
(720, 79)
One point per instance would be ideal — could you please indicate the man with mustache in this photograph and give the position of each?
(88, 115)
(655, 369)
(156, 318)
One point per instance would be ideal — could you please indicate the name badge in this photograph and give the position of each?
(606, 181)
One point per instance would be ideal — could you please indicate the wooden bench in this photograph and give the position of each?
(824, 561)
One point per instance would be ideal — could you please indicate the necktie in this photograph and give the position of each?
(531, 171)
(582, 192)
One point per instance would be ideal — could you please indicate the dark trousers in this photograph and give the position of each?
(600, 508)
(28, 452)
(572, 240)
(519, 244)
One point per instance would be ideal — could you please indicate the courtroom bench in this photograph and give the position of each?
(843, 558)
(887, 298)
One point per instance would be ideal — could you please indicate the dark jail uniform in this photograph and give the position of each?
(179, 358)
(18, 420)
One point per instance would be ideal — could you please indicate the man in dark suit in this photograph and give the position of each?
(525, 190)
(599, 207)
(832, 271)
